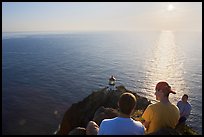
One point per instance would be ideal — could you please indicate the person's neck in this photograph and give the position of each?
(124, 115)
(164, 100)
(184, 102)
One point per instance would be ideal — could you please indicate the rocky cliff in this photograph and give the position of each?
(99, 105)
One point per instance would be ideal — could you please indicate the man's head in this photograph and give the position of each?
(127, 103)
(162, 90)
(185, 98)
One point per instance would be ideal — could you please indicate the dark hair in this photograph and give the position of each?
(78, 131)
(185, 95)
(127, 103)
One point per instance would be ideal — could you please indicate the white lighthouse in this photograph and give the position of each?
(112, 81)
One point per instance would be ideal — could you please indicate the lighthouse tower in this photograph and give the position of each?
(111, 83)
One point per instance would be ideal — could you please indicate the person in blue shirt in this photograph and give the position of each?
(123, 124)
(184, 108)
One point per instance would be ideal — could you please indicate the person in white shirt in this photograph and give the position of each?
(184, 108)
(123, 124)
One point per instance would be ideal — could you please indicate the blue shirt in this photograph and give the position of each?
(121, 126)
(184, 108)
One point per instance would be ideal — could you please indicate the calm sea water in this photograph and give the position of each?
(43, 74)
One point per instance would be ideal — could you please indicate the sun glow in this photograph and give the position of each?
(170, 7)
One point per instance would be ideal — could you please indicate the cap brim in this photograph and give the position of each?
(173, 92)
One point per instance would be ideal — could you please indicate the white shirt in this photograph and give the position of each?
(121, 126)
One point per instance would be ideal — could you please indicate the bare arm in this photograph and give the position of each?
(146, 124)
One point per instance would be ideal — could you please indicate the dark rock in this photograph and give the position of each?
(79, 114)
(104, 113)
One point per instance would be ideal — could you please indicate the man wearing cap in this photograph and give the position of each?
(162, 114)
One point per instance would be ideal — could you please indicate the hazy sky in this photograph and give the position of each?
(96, 16)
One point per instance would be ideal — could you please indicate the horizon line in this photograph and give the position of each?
(95, 30)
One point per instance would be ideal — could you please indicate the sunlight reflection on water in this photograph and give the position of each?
(165, 65)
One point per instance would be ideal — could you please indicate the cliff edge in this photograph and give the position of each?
(102, 104)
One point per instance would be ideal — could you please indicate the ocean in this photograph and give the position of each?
(43, 74)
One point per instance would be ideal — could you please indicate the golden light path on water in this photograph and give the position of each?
(165, 64)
